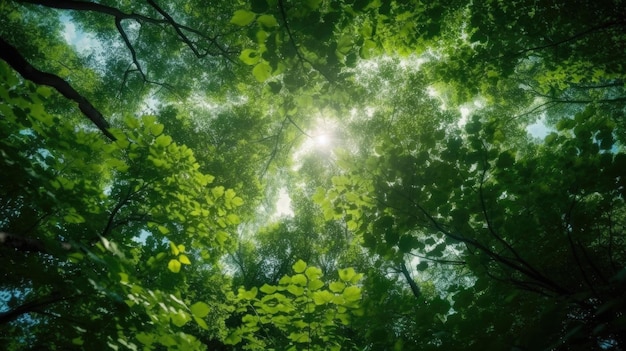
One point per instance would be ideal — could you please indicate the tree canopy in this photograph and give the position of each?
(455, 175)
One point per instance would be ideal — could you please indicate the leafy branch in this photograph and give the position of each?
(12, 56)
(292, 40)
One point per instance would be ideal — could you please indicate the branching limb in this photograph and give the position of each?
(20, 243)
(576, 36)
(275, 149)
(492, 230)
(440, 261)
(496, 257)
(13, 57)
(29, 307)
(292, 40)
(414, 288)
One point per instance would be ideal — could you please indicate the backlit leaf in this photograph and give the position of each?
(184, 259)
(262, 71)
(200, 309)
(242, 18)
(174, 266)
(268, 21)
(299, 266)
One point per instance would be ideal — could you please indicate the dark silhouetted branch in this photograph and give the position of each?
(13, 57)
(414, 288)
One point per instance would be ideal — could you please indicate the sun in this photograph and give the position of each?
(322, 139)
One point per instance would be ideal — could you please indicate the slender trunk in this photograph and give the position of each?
(414, 288)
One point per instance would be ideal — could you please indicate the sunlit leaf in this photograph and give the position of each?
(174, 265)
(346, 274)
(156, 129)
(262, 71)
(184, 259)
(268, 289)
(336, 287)
(174, 249)
(180, 318)
(299, 279)
(299, 266)
(352, 293)
(242, 18)
(268, 21)
(201, 323)
(249, 56)
(200, 309)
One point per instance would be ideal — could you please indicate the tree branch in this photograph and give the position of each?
(28, 307)
(503, 260)
(414, 288)
(13, 57)
(576, 36)
(20, 243)
(292, 40)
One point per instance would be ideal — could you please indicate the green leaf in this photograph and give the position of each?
(234, 338)
(123, 277)
(322, 297)
(352, 293)
(249, 57)
(174, 265)
(267, 21)
(262, 72)
(337, 287)
(156, 129)
(167, 340)
(230, 194)
(346, 274)
(200, 309)
(315, 284)
(242, 18)
(201, 323)
(295, 290)
(237, 201)
(233, 219)
(144, 338)
(299, 279)
(299, 337)
(217, 192)
(248, 294)
(268, 289)
(313, 273)
(174, 249)
(163, 140)
(184, 259)
(180, 318)
(299, 266)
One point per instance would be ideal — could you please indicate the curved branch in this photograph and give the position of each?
(414, 288)
(93, 7)
(292, 40)
(32, 306)
(576, 36)
(496, 257)
(298, 127)
(493, 232)
(13, 57)
(21, 243)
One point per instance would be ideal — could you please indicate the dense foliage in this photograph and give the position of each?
(456, 172)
